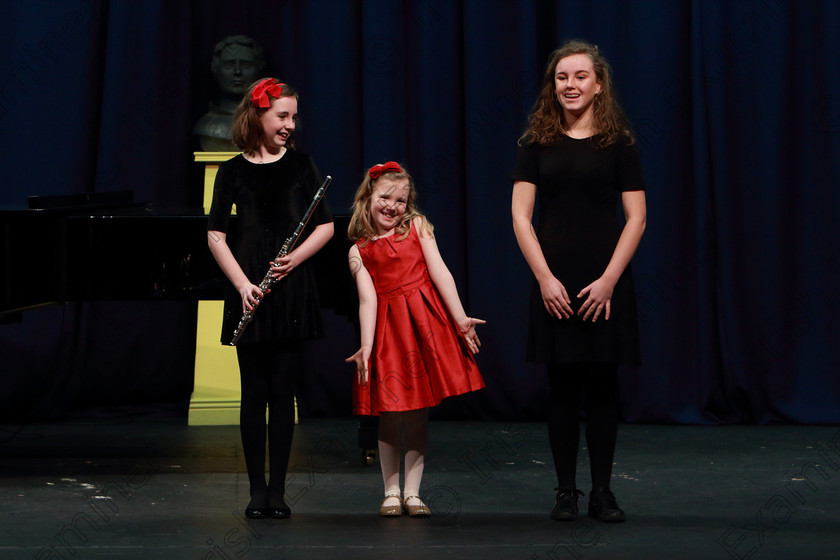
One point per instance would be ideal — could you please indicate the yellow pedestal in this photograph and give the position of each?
(216, 392)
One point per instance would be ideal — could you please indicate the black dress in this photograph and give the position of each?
(578, 189)
(270, 200)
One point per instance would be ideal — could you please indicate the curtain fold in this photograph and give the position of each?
(736, 107)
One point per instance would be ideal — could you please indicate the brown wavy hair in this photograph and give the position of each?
(247, 131)
(360, 225)
(546, 123)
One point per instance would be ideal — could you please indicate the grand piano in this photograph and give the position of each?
(104, 246)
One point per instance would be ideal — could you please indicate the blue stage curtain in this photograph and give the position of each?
(736, 106)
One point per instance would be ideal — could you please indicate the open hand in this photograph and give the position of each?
(556, 299)
(362, 360)
(599, 295)
(466, 329)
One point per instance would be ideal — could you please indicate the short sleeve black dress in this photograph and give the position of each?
(270, 200)
(578, 189)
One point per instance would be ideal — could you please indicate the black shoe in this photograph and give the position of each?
(566, 504)
(281, 511)
(256, 512)
(257, 508)
(603, 506)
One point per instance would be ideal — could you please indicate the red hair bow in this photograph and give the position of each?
(266, 87)
(378, 170)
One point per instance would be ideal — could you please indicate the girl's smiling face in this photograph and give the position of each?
(575, 83)
(387, 204)
(279, 122)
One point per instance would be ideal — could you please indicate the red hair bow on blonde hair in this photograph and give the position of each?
(266, 87)
(378, 170)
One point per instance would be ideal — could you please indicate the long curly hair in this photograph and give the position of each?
(546, 123)
(361, 226)
(247, 130)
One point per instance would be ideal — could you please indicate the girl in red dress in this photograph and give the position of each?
(417, 343)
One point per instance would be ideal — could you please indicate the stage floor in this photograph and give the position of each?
(139, 487)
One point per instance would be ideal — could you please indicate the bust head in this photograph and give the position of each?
(236, 63)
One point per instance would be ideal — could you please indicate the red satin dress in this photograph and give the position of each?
(417, 358)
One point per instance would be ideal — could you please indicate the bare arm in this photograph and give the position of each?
(445, 284)
(600, 291)
(251, 294)
(367, 314)
(555, 298)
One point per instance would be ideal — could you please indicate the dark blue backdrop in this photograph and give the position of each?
(737, 109)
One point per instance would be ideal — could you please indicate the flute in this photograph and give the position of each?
(269, 279)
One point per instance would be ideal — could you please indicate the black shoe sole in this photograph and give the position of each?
(280, 513)
(256, 513)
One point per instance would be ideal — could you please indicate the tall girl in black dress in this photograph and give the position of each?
(578, 159)
(272, 185)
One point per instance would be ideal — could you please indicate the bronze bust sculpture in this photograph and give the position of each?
(237, 61)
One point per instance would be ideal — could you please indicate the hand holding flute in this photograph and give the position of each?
(251, 294)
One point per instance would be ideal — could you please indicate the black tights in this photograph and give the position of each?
(598, 384)
(269, 372)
